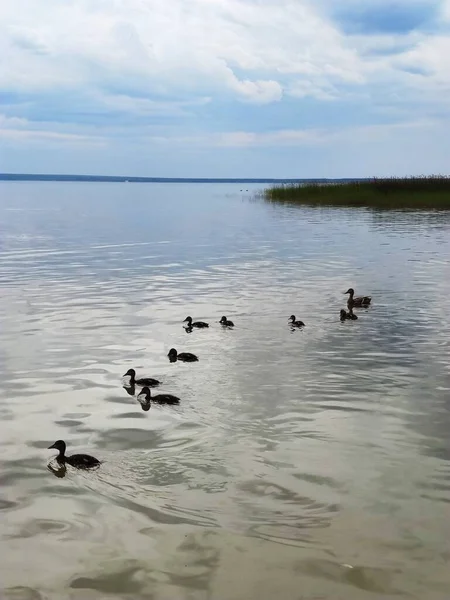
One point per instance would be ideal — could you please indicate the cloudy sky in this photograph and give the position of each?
(226, 88)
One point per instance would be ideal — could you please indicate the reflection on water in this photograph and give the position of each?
(313, 464)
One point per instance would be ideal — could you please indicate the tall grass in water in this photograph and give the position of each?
(432, 192)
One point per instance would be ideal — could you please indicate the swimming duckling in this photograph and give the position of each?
(80, 461)
(183, 356)
(131, 373)
(344, 315)
(198, 324)
(357, 300)
(226, 323)
(295, 323)
(145, 398)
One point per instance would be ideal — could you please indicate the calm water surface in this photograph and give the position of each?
(308, 465)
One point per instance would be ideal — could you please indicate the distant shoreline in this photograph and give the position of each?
(125, 179)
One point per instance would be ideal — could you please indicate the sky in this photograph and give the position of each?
(225, 88)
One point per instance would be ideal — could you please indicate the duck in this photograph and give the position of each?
(145, 398)
(197, 324)
(79, 461)
(183, 356)
(344, 315)
(357, 300)
(148, 381)
(225, 322)
(295, 323)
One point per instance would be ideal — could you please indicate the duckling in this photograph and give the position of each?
(197, 324)
(183, 356)
(344, 315)
(226, 323)
(131, 373)
(357, 300)
(295, 323)
(145, 398)
(79, 461)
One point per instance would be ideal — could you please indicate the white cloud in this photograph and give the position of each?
(254, 51)
(329, 136)
(13, 128)
(30, 135)
(194, 46)
(228, 73)
(12, 122)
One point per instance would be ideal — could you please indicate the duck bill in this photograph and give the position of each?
(51, 447)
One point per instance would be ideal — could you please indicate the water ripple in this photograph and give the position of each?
(309, 458)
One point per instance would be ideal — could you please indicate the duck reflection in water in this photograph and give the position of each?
(145, 405)
(58, 470)
(130, 389)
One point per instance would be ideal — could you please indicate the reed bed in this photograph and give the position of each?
(425, 192)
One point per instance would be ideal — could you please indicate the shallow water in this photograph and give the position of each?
(312, 464)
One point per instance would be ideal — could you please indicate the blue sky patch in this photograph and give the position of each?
(385, 18)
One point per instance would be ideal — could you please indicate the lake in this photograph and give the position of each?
(305, 465)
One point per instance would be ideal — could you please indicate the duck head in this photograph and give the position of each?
(350, 291)
(59, 445)
(188, 320)
(292, 318)
(343, 314)
(130, 373)
(223, 320)
(172, 353)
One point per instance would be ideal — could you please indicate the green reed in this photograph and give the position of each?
(425, 192)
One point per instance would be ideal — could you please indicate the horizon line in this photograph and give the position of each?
(145, 179)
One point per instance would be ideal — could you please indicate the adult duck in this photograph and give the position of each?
(79, 461)
(197, 324)
(357, 300)
(294, 323)
(148, 381)
(183, 356)
(145, 398)
(225, 322)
